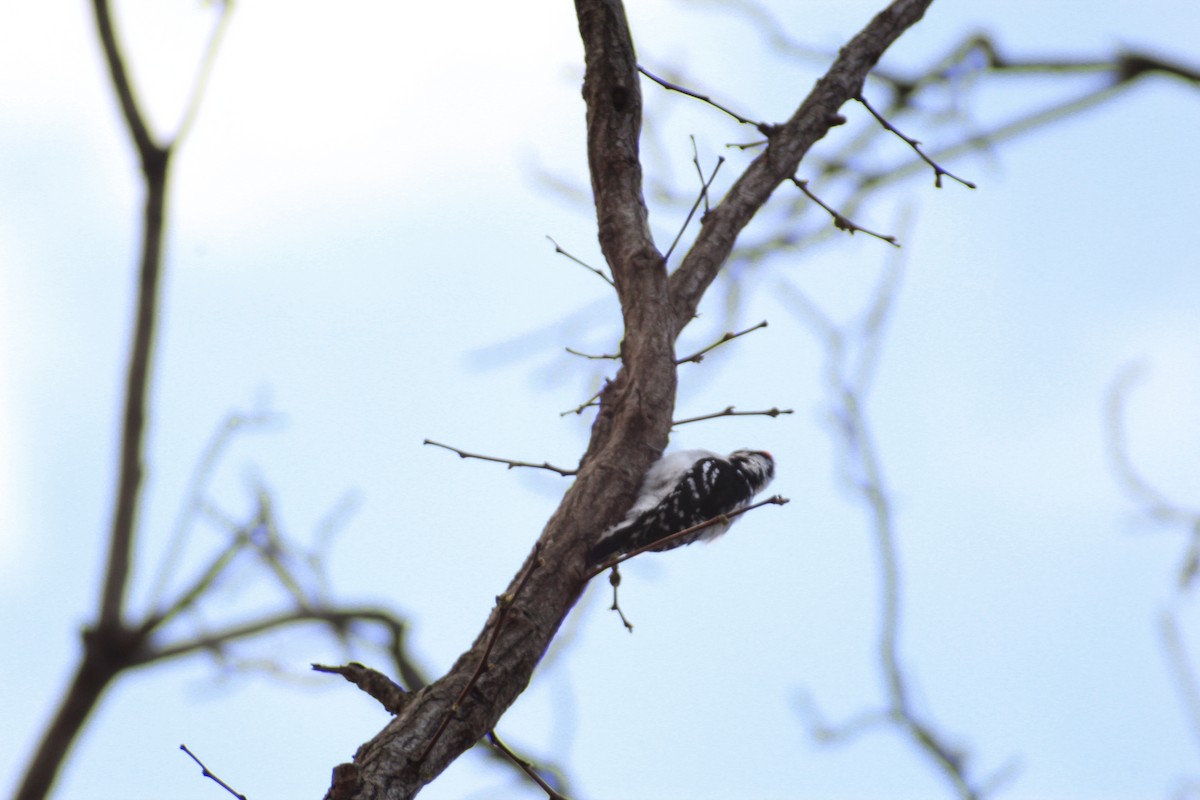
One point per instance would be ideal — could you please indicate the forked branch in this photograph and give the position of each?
(938, 170)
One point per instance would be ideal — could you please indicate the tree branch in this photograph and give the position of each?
(785, 148)
(729, 412)
(525, 767)
(632, 425)
(846, 383)
(204, 70)
(155, 160)
(581, 263)
(763, 127)
(511, 464)
(629, 432)
(729, 336)
(840, 222)
(210, 775)
(938, 171)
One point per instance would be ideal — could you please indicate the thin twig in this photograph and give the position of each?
(591, 401)
(614, 580)
(841, 222)
(198, 484)
(208, 774)
(703, 196)
(763, 127)
(203, 72)
(938, 171)
(729, 412)
(699, 169)
(775, 500)
(863, 472)
(504, 604)
(511, 464)
(583, 264)
(698, 356)
(525, 766)
(744, 146)
(602, 357)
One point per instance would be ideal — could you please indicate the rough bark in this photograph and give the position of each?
(634, 419)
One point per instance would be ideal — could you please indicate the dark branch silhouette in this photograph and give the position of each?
(511, 464)
(207, 773)
(841, 222)
(730, 412)
(729, 336)
(635, 409)
(583, 264)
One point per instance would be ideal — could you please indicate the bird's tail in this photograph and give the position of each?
(604, 549)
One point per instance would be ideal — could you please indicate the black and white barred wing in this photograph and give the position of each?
(711, 486)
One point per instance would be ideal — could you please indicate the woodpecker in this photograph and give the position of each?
(683, 489)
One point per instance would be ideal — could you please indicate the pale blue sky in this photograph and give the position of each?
(357, 242)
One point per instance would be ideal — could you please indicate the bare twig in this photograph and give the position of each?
(776, 500)
(591, 401)
(729, 412)
(762, 127)
(703, 196)
(198, 484)
(204, 70)
(208, 774)
(938, 171)
(630, 431)
(614, 580)
(846, 383)
(504, 604)
(602, 357)
(841, 222)
(511, 464)
(700, 171)
(109, 644)
(583, 264)
(207, 578)
(698, 356)
(525, 767)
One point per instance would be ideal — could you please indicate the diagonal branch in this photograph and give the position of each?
(729, 336)
(207, 773)
(558, 249)
(841, 222)
(204, 70)
(785, 148)
(730, 412)
(938, 171)
(511, 464)
(763, 127)
(633, 422)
